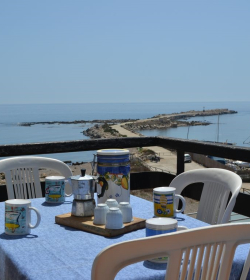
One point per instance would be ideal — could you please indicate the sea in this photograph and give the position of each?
(232, 128)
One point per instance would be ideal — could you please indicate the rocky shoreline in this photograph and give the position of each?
(162, 121)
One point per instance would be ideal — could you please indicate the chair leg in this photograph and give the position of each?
(245, 268)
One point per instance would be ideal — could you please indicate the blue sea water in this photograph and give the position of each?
(233, 128)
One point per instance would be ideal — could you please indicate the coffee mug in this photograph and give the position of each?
(55, 189)
(18, 217)
(165, 201)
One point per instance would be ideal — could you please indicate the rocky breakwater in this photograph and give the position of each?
(164, 121)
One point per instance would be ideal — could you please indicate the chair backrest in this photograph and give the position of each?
(205, 252)
(217, 186)
(22, 174)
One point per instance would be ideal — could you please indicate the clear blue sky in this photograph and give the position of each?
(61, 51)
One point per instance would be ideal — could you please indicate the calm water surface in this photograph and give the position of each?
(232, 128)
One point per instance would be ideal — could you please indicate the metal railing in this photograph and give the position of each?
(245, 191)
(180, 145)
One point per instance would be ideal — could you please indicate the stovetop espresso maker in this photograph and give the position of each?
(83, 189)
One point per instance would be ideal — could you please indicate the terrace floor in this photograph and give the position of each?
(237, 218)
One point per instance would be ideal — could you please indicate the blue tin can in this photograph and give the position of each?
(155, 226)
(113, 170)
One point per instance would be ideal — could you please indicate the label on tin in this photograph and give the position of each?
(152, 232)
(107, 164)
(164, 205)
(118, 187)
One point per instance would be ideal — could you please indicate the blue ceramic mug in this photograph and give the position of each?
(55, 189)
(18, 217)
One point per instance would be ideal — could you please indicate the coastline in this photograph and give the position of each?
(41, 132)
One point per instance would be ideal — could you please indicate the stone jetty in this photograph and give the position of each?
(162, 121)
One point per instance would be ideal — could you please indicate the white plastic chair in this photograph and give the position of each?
(245, 268)
(192, 253)
(218, 184)
(22, 175)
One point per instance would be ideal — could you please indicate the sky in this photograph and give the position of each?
(81, 51)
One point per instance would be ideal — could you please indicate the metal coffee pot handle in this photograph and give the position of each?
(104, 184)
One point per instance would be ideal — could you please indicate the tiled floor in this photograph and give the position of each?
(237, 218)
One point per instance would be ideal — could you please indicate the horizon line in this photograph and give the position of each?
(145, 102)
